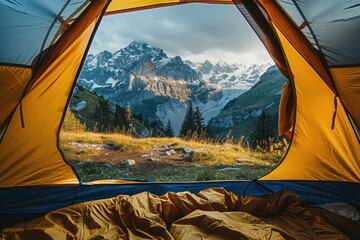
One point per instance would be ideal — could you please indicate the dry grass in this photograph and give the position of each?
(204, 153)
(209, 161)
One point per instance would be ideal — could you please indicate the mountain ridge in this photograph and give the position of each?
(140, 74)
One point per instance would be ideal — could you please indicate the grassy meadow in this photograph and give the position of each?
(117, 156)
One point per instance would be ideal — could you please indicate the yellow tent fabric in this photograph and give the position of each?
(29, 154)
(286, 110)
(348, 84)
(320, 152)
(211, 214)
(13, 82)
(117, 6)
(42, 112)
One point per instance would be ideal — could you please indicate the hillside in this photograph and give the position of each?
(83, 104)
(239, 115)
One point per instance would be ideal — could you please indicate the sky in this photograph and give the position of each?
(196, 32)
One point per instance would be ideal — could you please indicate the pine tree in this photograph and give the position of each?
(263, 131)
(198, 121)
(102, 114)
(169, 131)
(129, 116)
(117, 116)
(188, 123)
(120, 120)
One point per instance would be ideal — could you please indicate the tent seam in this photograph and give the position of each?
(48, 33)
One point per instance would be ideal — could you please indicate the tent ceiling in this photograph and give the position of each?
(334, 27)
(28, 27)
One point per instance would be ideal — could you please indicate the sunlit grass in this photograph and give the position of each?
(209, 160)
(204, 153)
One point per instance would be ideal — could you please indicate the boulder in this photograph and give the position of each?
(170, 152)
(128, 162)
(188, 151)
(244, 160)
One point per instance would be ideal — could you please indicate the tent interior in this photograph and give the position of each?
(314, 44)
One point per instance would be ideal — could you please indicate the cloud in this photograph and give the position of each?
(192, 31)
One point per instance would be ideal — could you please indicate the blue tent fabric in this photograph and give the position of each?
(28, 27)
(325, 23)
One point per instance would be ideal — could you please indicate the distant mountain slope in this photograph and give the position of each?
(83, 104)
(240, 114)
(158, 86)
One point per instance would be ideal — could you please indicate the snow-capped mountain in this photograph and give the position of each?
(229, 76)
(158, 86)
(137, 59)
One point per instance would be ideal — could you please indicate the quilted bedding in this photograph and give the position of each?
(211, 214)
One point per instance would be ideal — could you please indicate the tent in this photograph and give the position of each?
(44, 43)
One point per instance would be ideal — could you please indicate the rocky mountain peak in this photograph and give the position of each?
(104, 56)
(206, 67)
(137, 47)
(222, 66)
(158, 86)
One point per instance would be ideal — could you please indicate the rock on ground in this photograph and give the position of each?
(129, 162)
